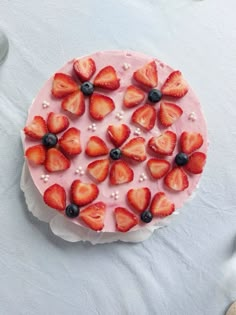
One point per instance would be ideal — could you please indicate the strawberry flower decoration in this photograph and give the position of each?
(145, 115)
(51, 152)
(73, 94)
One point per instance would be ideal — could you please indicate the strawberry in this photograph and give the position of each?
(70, 141)
(100, 106)
(63, 85)
(196, 163)
(57, 123)
(175, 85)
(118, 134)
(74, 103)
(94, 215)
(83, 193)
(176, 179)
(120, 173)
(135, 149)
(56, 161)
(84, 68)
(147, 75)
(55, 197)
(163, 144)
(36, 154)
(133, 96)
(37, 128)
(161, 206)
(169, 113)
(125, 220)
(107, 79)
(96, 147)
(158, 168)
(99, 169)
(145, 116)
(190, 141)
(139, 198)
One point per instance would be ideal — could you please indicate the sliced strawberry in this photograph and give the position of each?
(56, 161)
(70, 141)
(84, 68)
(158, 168)
(133, 96)
(196, 163)
(37, 128)
(107, 79)
(139, 198)
(125, 220)
(176, 179)
(100, 106)
(55, 197)
(145, 116)
(161, 206)
(118, 134)
(99, 169)
(96, 147)
(63, 85)
(147, 75)
(83, 193)
(190, 141)
(135, 149)
(57, 123)
(121, 173)
(36, 154)
(163, 144)
(94, 215)
(169, 113)
(74, 103)
(175, 85)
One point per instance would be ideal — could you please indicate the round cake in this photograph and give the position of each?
(115, 141)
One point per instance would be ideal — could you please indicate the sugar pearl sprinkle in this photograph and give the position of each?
(45, 104)
(120, 115)
(45, 177)
(126, 66)
(142, 177)
(115, 195)
(137, 132)
(192, 116)
(92, 127)
(79, 171)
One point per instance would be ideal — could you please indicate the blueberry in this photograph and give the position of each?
(154, 95)
(49, 140)
(181, 159)
(72, 210)
(115, 154)
(146, 216)
(87, 88)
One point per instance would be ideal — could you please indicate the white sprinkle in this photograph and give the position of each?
(116, 197)
(42, 176)
(77, 171)
(143, 175)
(81, 172)
(93, 125)
(121, 113)
(126, 66)
(94, 129)
(117, 192)
(47, 176)
(113, 194)
(80, 168)
(192, 116)
(45, 180)
(89, 127)
(141, 179)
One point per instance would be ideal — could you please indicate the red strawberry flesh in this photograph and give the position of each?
(55, 197)
(125, 220)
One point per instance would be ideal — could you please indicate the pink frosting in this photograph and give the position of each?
(189, 103)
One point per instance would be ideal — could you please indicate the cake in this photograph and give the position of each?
(115, 141)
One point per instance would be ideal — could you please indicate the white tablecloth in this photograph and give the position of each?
(180, 269)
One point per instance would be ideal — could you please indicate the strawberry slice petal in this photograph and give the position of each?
(56, 161)
(190, 141)
(74, 103)
(83, 193)
(135, 149)
(163, 144)
(99, 169)
(100, 106)
(158, 168)
(125, 220)
(55, 197)
(36, 154)
(57, 123)
(161, 206)
(96, 147)
(196, 163)
(94, 215)
(176, 179)
(84, 68)
(107, 79)
(169, 113)
(175, 85)
(147, 75)
(139, 198)
(133, 96)
(70, 141)
(37, 128)
(63, 85)
(120, 173)
(145, 116)
(118, 134)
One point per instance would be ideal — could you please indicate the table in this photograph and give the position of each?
(180, 269)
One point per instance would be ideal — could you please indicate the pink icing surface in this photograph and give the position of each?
(189, 103)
